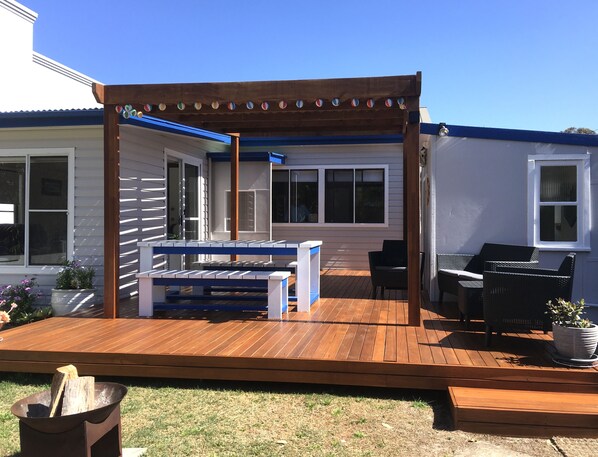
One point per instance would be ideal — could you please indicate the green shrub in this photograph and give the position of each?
(73, 275)
(567, 314)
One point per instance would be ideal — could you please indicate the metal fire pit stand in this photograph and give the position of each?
(86, 439)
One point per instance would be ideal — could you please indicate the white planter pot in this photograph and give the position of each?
(575, 343)
(65, 301)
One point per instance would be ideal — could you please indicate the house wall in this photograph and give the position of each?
(29, 80)
(143, 192)
(479, 194)
(347, 246)
(253, 176)
(89, 197)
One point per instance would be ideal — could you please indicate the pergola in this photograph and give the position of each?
(324, 107)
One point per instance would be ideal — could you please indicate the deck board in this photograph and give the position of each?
(348, 338)
(524, 413)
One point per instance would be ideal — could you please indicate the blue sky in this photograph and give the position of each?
(519, 64)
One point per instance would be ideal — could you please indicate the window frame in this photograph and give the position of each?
(582, 164)
(70, 211)
(322, 195)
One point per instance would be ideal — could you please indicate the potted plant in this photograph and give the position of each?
(74, 289)
(574, 337)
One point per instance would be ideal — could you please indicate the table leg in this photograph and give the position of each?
(314, 271)
(303, 279)
(146, 262)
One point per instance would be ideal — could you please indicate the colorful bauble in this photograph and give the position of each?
(128, 107)
(336, 101)
(118, 109)
(282, 104)
(388, 102)
(249, 105)
(370, 103)
(162, 106)
(232, 106)
(126, 114)
(265, 106)
(139, 114)
(319, 103)
(197, 105)
(299, 104)
(147, 107)
(354, 102)
(180, 106)
(215, 105)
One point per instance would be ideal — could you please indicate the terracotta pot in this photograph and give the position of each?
(65, 301)
(575, 343)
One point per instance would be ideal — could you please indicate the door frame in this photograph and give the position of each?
(183, 160)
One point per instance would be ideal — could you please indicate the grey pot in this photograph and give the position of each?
(65, 301)
(575, 343)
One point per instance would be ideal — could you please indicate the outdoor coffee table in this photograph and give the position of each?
(469, 300)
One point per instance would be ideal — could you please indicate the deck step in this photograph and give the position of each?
(524, 413)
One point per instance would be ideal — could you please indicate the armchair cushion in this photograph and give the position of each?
(463, 275)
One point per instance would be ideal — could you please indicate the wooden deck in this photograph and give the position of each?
(346, 339)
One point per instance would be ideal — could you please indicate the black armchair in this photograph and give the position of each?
(516, 297)
(388, 267)
(453, 268)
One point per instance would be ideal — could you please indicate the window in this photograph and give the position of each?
(329, 195)
(34, 209)
(559, 197)
(246, 211)
(295, 196)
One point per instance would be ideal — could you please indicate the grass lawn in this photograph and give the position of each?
(209, 418)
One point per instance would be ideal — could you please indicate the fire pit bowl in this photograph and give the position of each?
(33, 410)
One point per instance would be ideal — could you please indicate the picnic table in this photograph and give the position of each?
(307, 254)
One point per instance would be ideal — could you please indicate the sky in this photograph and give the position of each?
(520, 64)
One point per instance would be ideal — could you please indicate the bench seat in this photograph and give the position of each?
(152, 286)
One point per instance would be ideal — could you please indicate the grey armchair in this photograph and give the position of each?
(516, 297)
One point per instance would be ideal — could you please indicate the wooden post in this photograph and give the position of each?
(411, 173)
(412, 210)
(234, 189)
(111, 211)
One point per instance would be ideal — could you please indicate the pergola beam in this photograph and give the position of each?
(238, 92)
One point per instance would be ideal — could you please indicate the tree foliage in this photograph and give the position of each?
(582, 130)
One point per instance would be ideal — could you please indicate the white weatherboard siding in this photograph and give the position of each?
(143, 191)
(347, 246)
(89, 197)
(479, 194)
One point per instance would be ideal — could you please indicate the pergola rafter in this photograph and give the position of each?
(381, 105)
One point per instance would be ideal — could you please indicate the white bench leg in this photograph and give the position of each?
(278, 297)
(146, 305)
(302, 280)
